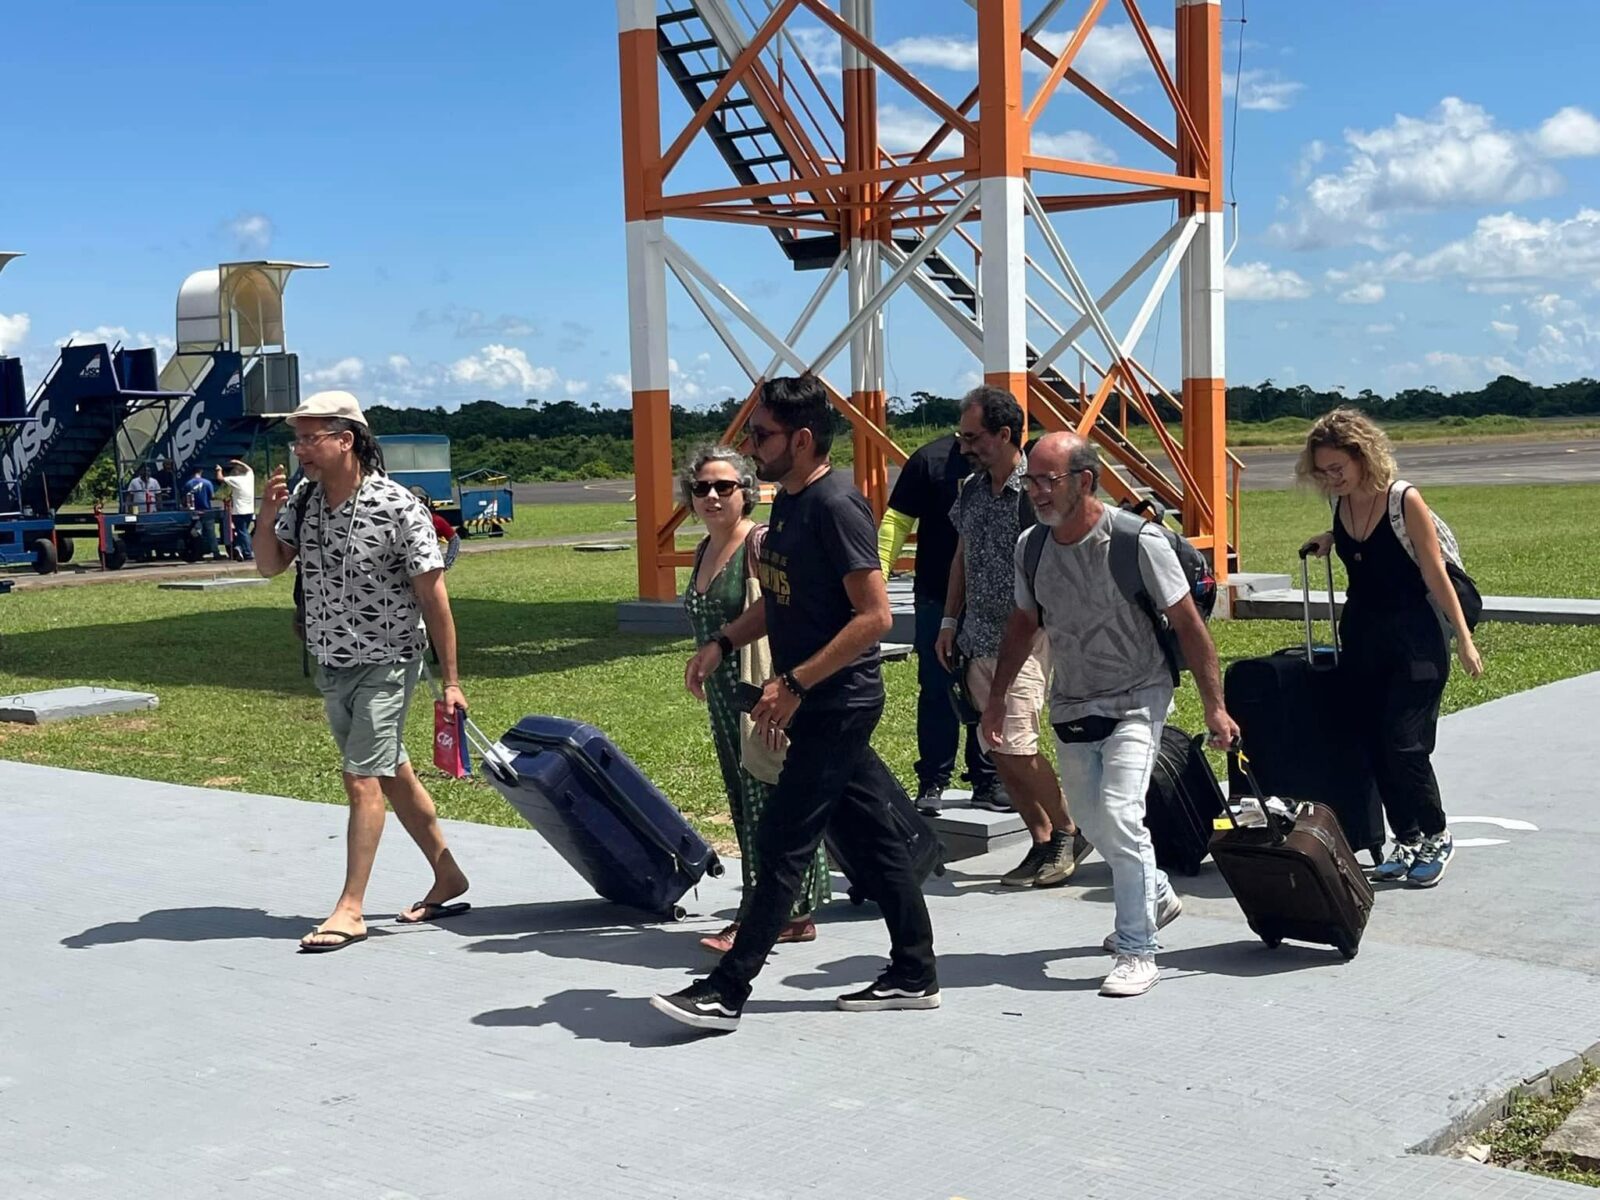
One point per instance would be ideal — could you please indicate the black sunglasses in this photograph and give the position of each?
(723, 487)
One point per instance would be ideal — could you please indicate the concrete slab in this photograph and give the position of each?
(602, 547)
(64, 704)
(1289, 604)
(213, 585)
(163, 1040)
(971, 832)
(1579, 1135)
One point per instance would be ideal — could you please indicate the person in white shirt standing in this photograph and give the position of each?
(241, 484)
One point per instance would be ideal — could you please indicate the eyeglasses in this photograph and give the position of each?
(1332, 472)
(759, 435)
(723, 487)
(1047, 483)
(307, 439)
(968, 439)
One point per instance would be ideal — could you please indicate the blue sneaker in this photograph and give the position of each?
(1397, 867)
(1432, 859)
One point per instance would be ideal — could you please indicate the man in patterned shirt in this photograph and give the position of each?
(990, 514)
(373, 580)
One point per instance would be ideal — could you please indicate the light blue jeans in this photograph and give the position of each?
(1105, 784)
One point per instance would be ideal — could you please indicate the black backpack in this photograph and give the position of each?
(1126, 526)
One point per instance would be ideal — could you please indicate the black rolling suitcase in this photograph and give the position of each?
(597, 809)
(1183, 800)
(1296, 877)
(927, 852)
(1297, 732)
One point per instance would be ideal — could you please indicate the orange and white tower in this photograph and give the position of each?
(977, 224)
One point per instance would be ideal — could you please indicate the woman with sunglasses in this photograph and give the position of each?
(719, 486)
(1396, 659)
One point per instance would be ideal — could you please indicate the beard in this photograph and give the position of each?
(1049, 516)
(771, 472)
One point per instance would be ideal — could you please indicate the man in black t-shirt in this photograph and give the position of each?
(825, 607)
(923, 496)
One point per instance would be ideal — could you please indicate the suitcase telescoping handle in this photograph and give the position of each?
(1243, 759)
(495, 757)
(1305, 593)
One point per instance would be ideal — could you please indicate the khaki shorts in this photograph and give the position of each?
(1019, 732)
(366, 708)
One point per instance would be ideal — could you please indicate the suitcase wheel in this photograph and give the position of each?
(1271, 943)
(939, 870)
(715, 869)
(856, 897)
(1347, 950)
(677, 912)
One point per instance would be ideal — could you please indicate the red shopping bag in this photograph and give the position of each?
(450, 742)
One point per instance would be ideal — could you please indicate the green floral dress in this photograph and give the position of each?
(747, 795)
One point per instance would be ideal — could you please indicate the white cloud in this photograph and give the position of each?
(252, 232)
(1379, 328)
(1504, 329)
(1571, 133)
(907, 130)
(1370, 292)
(1508, 252)
(1074, 144)
(13, 331)
(948, 53)
(1262, 91)
(118, 335)
(1258, 281)
(501, 368)
(345, 371)
(398, 362)
(1111, 53)
(620, 383)
(1456, 156)
(1546, 305)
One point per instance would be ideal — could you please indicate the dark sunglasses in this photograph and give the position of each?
(723, 487)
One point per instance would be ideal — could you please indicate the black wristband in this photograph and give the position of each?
(725, 643)
(793, 684)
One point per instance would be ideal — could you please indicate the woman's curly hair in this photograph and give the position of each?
(1359, 436)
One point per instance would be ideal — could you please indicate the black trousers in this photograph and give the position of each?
(832, 780)
(938, 727)
(1395, 666)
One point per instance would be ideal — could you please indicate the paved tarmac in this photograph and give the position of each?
(162, 1039)
(1576, 461)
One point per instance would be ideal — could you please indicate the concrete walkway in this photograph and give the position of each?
(159, 1037)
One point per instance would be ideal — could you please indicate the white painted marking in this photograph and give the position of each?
(1502, 822)
(1460, 843)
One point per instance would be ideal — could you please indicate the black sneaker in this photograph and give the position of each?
(701, 1006)
(930, 799)
(889, 993)
(992, 796)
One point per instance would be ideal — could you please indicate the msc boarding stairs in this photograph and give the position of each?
(696, 61)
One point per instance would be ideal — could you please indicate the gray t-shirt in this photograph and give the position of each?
(356, 566)
(1107, 659)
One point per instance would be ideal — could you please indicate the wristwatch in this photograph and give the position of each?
(789, 681)
(725, 643)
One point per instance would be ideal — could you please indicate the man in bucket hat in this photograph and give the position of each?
(373, 580)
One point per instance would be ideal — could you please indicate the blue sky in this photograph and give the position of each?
(1417, 188)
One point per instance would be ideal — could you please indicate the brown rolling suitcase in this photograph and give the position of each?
(1296, 877)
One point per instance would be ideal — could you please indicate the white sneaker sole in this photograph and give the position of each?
(1122, 991)
(694, 1020)
(910, 1003)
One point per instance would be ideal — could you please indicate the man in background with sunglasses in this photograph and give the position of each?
(824, 608)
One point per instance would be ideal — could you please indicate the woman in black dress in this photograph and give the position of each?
(1396, 648)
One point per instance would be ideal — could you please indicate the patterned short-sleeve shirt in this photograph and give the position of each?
(989, 526)
(356, 566)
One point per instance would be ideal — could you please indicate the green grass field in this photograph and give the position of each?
(538, 630)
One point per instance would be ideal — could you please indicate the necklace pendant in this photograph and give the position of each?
(1358, 556)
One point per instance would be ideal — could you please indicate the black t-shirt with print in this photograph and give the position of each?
(927, 487)
(815, 539)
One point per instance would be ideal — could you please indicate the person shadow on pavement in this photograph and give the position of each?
(601, 1015)
(216, 923)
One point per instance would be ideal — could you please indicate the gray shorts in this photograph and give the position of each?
(366, 708)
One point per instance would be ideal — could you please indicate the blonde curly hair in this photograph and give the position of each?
(1359, 436)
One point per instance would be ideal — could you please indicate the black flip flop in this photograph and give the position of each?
(348, 939)
(432, 911)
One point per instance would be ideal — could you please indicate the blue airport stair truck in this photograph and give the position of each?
(24, 540)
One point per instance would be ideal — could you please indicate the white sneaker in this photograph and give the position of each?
(1167, 912)
(1134, 975)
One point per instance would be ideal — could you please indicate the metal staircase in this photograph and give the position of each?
(696, 62)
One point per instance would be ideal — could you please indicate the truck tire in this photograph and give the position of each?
(44, 556)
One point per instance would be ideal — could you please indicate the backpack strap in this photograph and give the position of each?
(301, 502)
(1397, 515)
(1127, 527)
(1032, 552)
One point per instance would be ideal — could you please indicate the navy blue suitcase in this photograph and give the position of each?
(600, 813)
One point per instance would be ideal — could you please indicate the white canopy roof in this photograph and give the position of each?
(236, 306)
